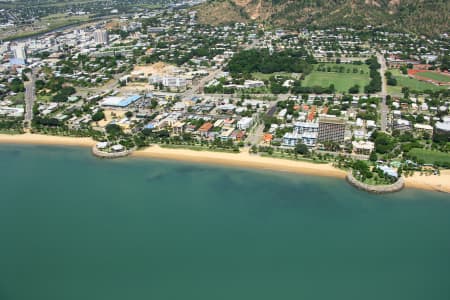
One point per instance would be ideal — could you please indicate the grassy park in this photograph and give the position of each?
(343, 76)
(435, 76)
(412, 84)
(429, 156)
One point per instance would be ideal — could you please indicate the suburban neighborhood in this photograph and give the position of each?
(160, 77)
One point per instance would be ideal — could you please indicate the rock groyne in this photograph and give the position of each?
(110, 155)
(376, 189)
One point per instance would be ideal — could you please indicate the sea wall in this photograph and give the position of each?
(376, 189)
(110, 155)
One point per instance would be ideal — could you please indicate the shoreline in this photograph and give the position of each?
(243, 159)
(43, 139)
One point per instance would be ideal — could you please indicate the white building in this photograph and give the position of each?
(248, 84)
(363, 147)
(304, 127)
(292, 139)
(101, 37)
(169, 81)
(244, 123)
(444, 126)
(402, 125)
(19, 52)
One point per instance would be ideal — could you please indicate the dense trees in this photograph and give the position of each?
(361, 170)
(384, 143)
(113, 130)
(301, 148)
(375, 83)
(16, 85)
(263, 61)
(391, 79)
(9, 124)
(354, 89)
(63, 94)
(99, 115)
(445, 63)
(299, 89)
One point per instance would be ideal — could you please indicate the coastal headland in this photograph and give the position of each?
(243, 159)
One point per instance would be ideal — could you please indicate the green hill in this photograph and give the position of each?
(429, 17)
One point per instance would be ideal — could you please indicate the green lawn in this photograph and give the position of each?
(435, 76)
(412, 84)
(18, 98)
(335, 67)
(352, 74)
(342, 82)
(43, 98)
(429, 156)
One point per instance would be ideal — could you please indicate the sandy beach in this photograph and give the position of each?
(42, 139)
(439, 183)
(244, 159)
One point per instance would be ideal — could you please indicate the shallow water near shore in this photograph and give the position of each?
(76, 227)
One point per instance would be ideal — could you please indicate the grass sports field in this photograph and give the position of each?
(435, 76)
(412, 84)
(350, 75)
(429, 156)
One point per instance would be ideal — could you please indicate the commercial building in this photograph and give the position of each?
(291, 139)
(303, 127)
(331, 129)
(244, 123)
(363, 147)
(402, 125)
(19, 53)
(101, 37)
(169, 81)
(120, 101)
(423, 128)
(248, 84)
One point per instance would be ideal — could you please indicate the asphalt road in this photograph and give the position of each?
(30, 98)
(384, 109)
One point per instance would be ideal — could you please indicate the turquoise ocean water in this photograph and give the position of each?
(75, 227)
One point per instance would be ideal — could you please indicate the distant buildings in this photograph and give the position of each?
(101, 37)
(19, 53)
(331, 129)
(303, 132)
(169, 81)
(444, 126)
(120, 101)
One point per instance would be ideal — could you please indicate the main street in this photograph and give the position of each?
(30, 98)
(384, 109)
(197, 87)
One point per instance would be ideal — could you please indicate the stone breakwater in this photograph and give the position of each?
(110, 155)
(376, 189)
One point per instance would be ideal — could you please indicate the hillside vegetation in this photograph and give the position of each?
(428, 17)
